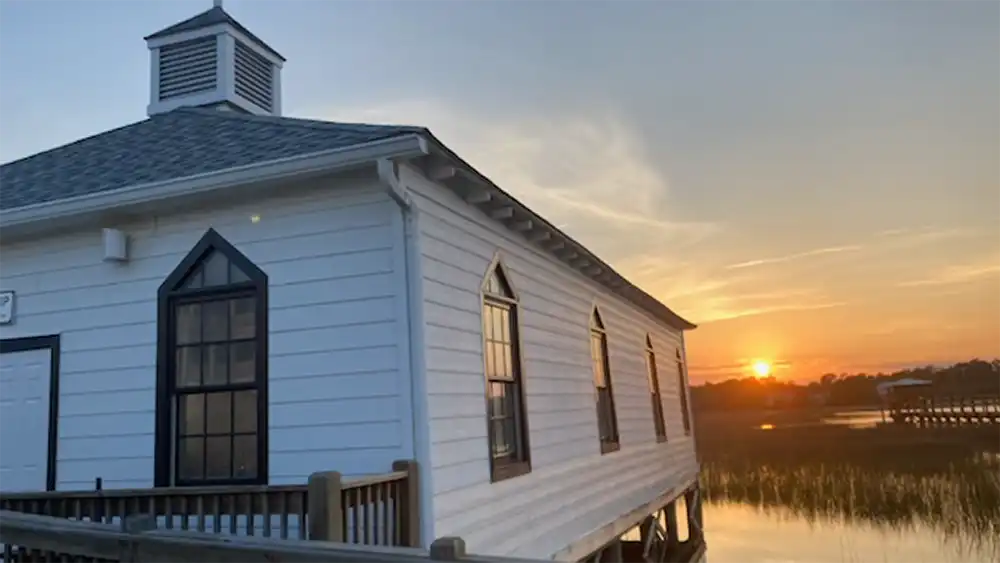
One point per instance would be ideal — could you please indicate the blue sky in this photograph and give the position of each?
(816, 183)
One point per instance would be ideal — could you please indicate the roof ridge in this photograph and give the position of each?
(317, 124)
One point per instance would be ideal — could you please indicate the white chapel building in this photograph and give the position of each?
(221, 294)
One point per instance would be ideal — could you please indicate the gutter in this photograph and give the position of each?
(270, 171)
(388, 173)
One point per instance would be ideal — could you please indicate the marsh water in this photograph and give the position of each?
(841, 486)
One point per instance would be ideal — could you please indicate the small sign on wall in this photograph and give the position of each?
(6, 307)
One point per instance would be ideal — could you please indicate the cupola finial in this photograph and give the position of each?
(217, 3)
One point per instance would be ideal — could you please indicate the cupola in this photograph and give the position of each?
(210, 60)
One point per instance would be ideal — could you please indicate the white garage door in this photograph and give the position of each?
(25, 378)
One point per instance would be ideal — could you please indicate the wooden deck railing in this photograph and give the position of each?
(978, 409)
(376, 510)
(137, 539)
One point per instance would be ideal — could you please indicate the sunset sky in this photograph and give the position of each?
(815, 184)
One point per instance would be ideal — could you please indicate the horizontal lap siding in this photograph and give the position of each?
(338, 384)
(572, 489)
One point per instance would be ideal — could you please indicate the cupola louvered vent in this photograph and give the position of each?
(212, 61)
(188, 67)
(254, 77)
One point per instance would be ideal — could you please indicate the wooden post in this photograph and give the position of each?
(410, 503)
(326, 511)
(646, 535)
(134, 524)
(670, 515)
(692, 498)
(448, 549)
(98, 487)
(616, 551)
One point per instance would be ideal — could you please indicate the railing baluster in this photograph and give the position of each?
(200, 508)
(266, 511)
(352, 509)
(379, 515)
(184, 512)
(283, 511)
(303, 527)
(231, 513)
(372, 510)
(217, 514)
(251, 524)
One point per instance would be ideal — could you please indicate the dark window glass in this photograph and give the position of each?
(607, 419)
(659, 425)
(214, 270)
(217, 386)
(682, 391)
(506, 419)
(188, 324)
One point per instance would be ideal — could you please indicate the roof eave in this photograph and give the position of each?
(447, 168)
(70, 212)
(476, 189)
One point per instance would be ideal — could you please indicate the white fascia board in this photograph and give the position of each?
(403, 146)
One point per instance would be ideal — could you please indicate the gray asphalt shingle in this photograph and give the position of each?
(183, 142)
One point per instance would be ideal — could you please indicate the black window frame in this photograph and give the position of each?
(656, 398)
(604, 397)
(682, 392)
(169, 297)
(495, 299)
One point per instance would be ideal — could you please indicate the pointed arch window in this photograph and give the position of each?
(659, 425)
(682, 390)
(211, 425)
(607, 419)
(507, 421)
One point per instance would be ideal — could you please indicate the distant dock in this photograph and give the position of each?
(950, 410)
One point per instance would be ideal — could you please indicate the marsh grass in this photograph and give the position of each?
(947, 479)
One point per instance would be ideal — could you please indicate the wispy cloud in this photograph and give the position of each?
(740, 299)
(890, 239)
(707, 295)
(734, 313)
(925, 326)
(795, 256)
(957, 274)
(587, 173)
(591, 175)
(907, 237)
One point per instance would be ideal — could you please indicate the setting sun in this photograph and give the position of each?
(761, 369)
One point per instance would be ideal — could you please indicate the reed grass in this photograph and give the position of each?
(890, 477)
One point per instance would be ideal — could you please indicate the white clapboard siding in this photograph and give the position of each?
(572, 490)
(339, 378)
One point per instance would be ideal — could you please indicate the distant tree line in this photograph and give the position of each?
(975, 377)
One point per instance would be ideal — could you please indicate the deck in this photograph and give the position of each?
(326, 519)
(933, 410)
(381, 510)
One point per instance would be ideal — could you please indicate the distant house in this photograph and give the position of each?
(886, 389)
(220, 294)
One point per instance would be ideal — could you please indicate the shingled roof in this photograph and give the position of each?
(190, 141)
(182, 142)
